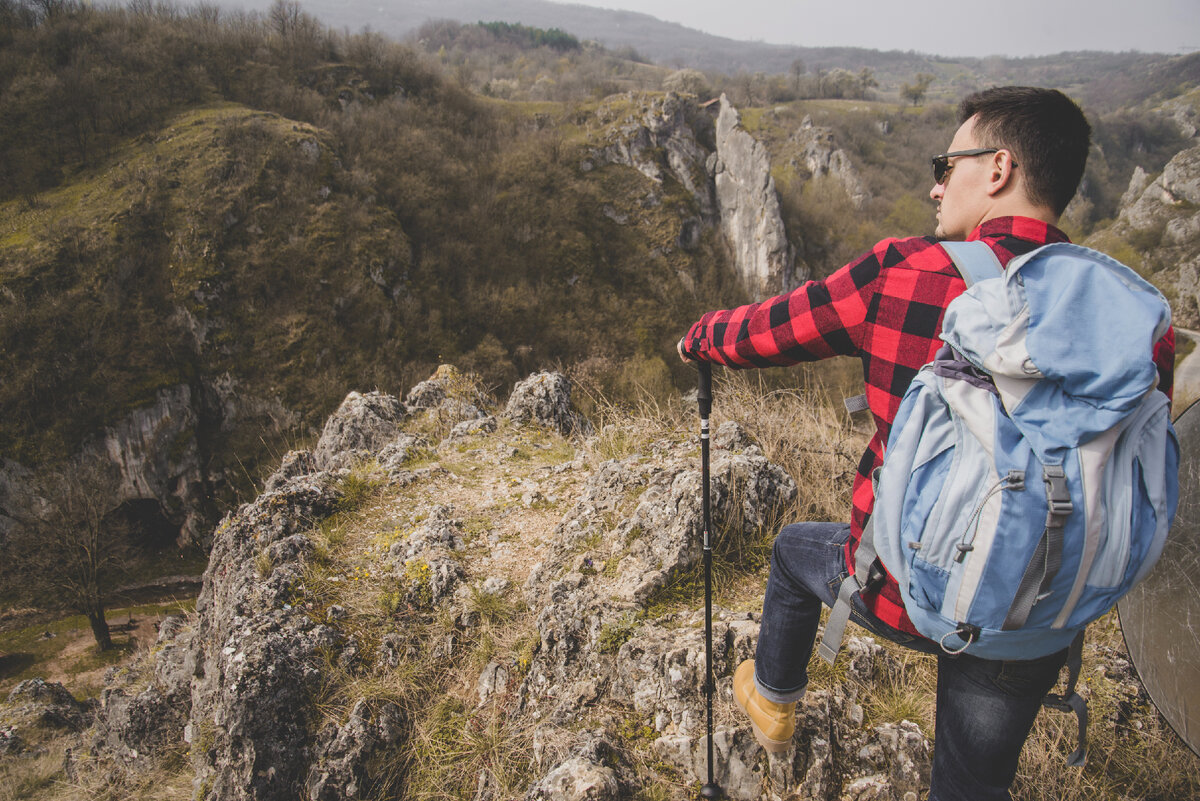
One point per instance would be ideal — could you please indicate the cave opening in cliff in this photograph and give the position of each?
(150, 530)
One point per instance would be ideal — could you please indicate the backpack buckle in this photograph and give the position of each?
(876, 577)
(1058, 497)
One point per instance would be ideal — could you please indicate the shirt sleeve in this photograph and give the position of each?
(1164, 360)
(815, 321)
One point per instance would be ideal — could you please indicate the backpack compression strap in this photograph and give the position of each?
(1070, 701)
(1047, 558)
(866, 573)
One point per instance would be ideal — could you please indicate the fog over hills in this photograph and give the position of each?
(663, 42)
(1118, 77)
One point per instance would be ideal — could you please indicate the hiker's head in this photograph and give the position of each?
(1020, 150)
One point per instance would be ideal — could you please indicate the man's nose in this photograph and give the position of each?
(937, 192)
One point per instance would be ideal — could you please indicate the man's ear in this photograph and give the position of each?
(1002, 174)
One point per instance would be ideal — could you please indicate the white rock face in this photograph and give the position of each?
(749, 208)
(661, 128)
(821, 156)
(1163, 213)
(1176, 189)
(154, 448)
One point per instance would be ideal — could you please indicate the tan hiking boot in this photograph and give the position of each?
(773, 723)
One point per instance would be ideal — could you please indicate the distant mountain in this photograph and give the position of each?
(663, 42)
(672, 44)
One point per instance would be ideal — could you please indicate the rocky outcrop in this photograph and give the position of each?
(819, 156)
(258, 658)
(729, 179)
(241, 682)
(143, 713)
(1184, 111)
(156, 454)
(359, 428)
(658, 139)
(749, 207)
(36, 702)
(1176, 190)
(1159, 217)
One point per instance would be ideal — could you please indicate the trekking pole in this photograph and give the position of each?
(704, 400)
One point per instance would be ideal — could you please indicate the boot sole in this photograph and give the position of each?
(772, 746)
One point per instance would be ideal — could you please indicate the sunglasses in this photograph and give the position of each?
(942, 165)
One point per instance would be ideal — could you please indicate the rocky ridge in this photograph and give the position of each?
(610, 680)
(170, 447)
(499, 602)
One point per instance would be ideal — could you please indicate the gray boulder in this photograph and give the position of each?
(344, 755)
(594, 771)
(293, 465)
(424, 563)
(48, 704)
(577, 779)
(545, 399)
(362, 425)
(136, 723)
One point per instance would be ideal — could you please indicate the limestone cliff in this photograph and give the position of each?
(749, 204)
(724, 169)
(1158, 230)
(820, 155)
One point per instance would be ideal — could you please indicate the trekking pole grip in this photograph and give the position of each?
(704, 388)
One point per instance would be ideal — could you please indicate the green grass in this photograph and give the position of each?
(26, 653)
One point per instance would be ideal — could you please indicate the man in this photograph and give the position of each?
(1013, 165)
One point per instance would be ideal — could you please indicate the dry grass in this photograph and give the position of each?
(802, 432)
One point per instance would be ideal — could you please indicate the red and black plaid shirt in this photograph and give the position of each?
(886, 308)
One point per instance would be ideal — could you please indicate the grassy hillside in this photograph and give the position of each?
(291, 213)
(270, 212)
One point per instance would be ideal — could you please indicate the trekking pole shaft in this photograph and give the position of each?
(704, 400)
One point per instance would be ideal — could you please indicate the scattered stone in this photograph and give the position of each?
(577, 779)
(730, 436)
(392, 456)
(294, 464)
(11, 742)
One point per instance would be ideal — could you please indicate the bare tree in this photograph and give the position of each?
(75, 550)
(798, 69)
(916, 91)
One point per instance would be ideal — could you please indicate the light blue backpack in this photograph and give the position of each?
(1031, 473)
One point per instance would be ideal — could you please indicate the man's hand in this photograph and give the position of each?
(682, 353)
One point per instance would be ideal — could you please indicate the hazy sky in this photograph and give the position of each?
(1002, 27)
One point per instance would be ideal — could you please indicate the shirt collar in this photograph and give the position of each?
(1020, 227)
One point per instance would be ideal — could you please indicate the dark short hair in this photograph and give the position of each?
(1046, 132)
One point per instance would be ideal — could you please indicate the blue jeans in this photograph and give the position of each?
(985, 708)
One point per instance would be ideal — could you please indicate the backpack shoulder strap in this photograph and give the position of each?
(975, 260)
